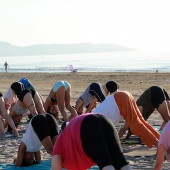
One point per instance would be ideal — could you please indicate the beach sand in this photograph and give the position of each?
(138, 155)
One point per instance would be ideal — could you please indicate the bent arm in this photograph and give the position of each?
(38, 157)
(11, 123)
(57, 162)
(123, 130)
(47, 103)
(42, 99)
(20, 154)
(7, 117)
(91, 106)
(11, 114)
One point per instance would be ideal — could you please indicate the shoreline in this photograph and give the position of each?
(83, 70)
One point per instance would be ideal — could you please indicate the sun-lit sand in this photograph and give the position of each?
(139, 156)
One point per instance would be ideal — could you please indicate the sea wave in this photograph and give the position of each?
(131, 61)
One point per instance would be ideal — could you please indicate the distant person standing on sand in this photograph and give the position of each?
(6, 66)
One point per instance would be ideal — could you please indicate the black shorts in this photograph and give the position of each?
(100, 141)
(53, 100)
(24, 92)
(158, 95)
(17, 87)
(95, 90)
(1, 94)
(45, 125)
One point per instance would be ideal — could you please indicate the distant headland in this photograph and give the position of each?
(7, 49)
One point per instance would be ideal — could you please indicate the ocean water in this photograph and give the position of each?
(126, 61)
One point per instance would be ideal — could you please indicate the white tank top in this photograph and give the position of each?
(11, 96)
(31, 140)
(109, 109)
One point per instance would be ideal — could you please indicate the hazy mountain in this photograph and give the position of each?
(7, 49)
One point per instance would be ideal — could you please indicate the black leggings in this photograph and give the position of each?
(100, 141)
(158, 95)
(24, 92)
(95, 90)
(45, 125)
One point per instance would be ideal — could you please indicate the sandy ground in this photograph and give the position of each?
(139, 156)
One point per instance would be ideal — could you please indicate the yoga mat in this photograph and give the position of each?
(10, 135)
(136, 140)
(7, 136)
(131, 141)
(157, 128)
(44, 165)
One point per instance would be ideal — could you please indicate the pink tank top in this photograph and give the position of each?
(69, 146)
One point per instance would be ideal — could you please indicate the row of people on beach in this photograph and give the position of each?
(90, 138)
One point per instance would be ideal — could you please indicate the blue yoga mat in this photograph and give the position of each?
(44, 165)
(157, 128)
(131, 141)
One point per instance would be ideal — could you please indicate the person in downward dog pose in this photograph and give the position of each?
(12, 94)
(152, 98)
(122, 105)
(42, 130)
(163, 151)
(60, 95)
(4, 115)
(29, 100)
(87, 140)
(29, 86)
(95, 92)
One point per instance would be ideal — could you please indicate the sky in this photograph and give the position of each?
(140, 24)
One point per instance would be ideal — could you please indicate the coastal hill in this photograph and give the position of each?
(7, 49)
